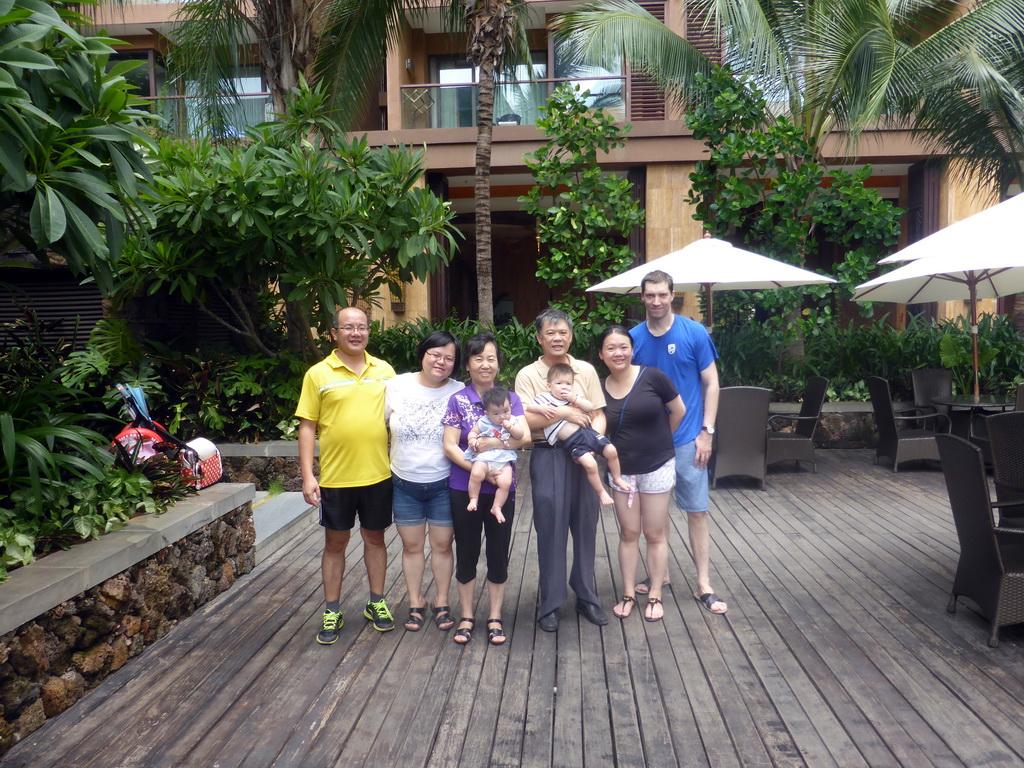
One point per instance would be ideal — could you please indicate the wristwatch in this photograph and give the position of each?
(709, 430)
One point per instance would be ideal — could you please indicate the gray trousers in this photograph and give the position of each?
(563, 503)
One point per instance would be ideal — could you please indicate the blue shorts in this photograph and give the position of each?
(691, 483)
(419, 503)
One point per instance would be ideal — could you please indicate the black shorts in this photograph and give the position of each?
(583, 441)
(339, 507)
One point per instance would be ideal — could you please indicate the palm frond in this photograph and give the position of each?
(602, 33)
(207, 48)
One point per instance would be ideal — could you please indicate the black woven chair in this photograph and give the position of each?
(798, 445)
(740, 433)
(979, 426)
(1006, 443)
(929, 383)
(902, 445)
(991, 567)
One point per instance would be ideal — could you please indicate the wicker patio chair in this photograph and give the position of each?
(798, 445)
(979, 426)
(1006, 442)
(991, 567)
(740, 433)
(929, 383)
(901, 444)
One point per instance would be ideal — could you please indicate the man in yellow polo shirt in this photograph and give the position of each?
(343, 400)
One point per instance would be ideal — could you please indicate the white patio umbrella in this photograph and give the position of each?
(978, 272)
(996, 229)
(714, 265)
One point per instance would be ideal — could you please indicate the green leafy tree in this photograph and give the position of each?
(951, 69)
(583, 214)
(344, 43)
(298, 207)
(71, 166)
(763, 182)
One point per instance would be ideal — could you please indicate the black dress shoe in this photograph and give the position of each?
(592, 612)
(548, 622)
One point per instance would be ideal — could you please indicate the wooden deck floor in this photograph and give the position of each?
(836, 651)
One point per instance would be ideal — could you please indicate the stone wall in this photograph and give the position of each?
(261, 471)
(47, 664)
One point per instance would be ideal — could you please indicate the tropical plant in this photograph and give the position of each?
(71, 163)
(344, 44)
(583, 214)
(762, 181)
(950, 69)
(325, 223)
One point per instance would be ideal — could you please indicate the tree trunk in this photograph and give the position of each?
(482, 193)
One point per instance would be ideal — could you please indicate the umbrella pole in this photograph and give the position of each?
(972, 289)
(711, 311)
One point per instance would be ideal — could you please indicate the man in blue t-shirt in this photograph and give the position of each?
(683, 350)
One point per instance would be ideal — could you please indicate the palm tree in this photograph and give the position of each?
(344, 43)
(951, 69)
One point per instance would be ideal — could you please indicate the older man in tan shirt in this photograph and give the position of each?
(563, 499)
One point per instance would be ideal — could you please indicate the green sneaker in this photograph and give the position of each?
(333, 622)
(381, 617)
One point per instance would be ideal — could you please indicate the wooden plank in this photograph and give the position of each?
(836, 651)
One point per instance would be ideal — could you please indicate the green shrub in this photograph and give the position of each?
(58, 481)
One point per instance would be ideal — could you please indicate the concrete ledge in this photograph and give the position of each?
(267, 448)
(35, 589)
(278, 519)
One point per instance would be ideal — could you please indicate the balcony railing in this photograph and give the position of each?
(184, 117)
(453, 105)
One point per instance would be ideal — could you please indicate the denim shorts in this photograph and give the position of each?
(418, 503)
(691, 483)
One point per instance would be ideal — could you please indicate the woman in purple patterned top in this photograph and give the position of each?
(483, 361)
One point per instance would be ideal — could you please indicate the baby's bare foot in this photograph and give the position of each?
(606, 498)
(496, 511)
(471, 507)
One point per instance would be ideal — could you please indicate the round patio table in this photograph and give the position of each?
(963, 409)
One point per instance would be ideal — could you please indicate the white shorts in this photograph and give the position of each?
(661, 480)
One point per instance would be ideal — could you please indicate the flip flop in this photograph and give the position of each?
(707, 600)
(627, 601)
(644, 587)
(651, 602)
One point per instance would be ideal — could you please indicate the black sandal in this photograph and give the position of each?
(651, 601)
(443, 617)
(495, 635)
(464, 634)
(626, 600)
(415, 621)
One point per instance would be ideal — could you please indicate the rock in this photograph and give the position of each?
(116, 591)
(227, 578)
(94, 660)
(59, 693)
(131, 625)
(16, 694)
(120, 654)
(30, 719)
(28, 654)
